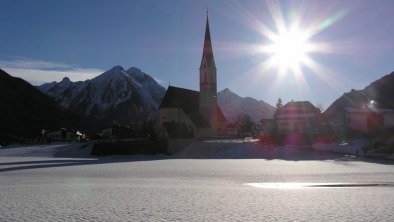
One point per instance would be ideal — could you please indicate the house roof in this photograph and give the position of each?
(298, 109)
(298, 106)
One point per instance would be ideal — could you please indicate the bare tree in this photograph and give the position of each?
(320, 107)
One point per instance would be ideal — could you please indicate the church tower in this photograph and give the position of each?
(208, 88)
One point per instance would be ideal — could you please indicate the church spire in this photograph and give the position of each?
(208, 87)
(207, 54)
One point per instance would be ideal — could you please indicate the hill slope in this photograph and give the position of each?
(379, 94)
(25, 111)
(233, 105)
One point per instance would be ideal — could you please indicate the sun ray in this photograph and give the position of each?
(252, 21)
(291, 46)
(287, 48)
(277, 15)
(330, 78)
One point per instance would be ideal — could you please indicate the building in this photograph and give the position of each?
(232, 130)
(369, 120)
(388, 118)
(265, 126)
(64, 135)
(298, 117)
(196, 112)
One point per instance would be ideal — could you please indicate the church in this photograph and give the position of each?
(186, 113)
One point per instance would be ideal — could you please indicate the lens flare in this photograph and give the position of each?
(287, 46)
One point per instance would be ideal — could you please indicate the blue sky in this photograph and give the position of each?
(43, 41)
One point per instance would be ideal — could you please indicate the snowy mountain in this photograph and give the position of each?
(116, 96)
(233, 105)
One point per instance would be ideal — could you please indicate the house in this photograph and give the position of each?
(298, 117)
(232, 129)
(388, 118)
(64, 135)
(368, 120)
(196, 112)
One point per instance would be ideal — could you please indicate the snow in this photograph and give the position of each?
(150, 84)
(158, 188)
(107, 91)
(354, 147)
(76, 150)
(246, 148)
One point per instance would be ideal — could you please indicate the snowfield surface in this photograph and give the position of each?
(36, 186)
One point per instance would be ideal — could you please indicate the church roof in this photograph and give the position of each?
(221, 116)
(207, 53)
(187, 100)
(176, 97)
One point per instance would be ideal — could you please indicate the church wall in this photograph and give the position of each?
(177, 145)
(176, 115)
(205, 132)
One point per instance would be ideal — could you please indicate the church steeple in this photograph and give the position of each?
(208, 87)
(207, 59)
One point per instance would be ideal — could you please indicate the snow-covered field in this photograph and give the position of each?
(63, 183)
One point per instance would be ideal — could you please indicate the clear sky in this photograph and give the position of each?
(352, 43)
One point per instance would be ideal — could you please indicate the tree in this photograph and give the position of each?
(320, 107)
(245, 125)
(274, 132)
(279, 103)
(278, 107)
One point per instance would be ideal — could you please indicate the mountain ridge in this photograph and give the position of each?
(115, 96)
(234, 105)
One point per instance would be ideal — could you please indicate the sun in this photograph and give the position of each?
(286, 51)
(289, 49)
(288, 44)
